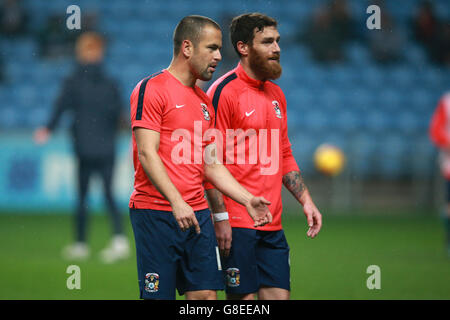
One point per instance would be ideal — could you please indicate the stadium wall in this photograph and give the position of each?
(42, 179)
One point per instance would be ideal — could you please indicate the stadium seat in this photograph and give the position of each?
(377, 121)
(303, 150)
(415, 54)
(389, 99)
(408, 122)
(422, 101)
(346, 121)
(357, 54)
(395, 158)
(316, 120)
(372, 77)
(362, 154)
(401, 76)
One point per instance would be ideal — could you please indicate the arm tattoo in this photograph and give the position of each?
(293, 181)
(215, 200)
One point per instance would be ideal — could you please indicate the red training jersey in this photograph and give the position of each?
(181, 115)
(440, 133)
(259, 110)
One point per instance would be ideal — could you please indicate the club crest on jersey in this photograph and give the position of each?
(151, 282)
(205, 112)
(233, 277)
(276, 108)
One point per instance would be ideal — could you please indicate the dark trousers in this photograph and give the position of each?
(104, 168)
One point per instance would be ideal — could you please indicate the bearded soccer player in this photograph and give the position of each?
(176, 246)
(249, 105)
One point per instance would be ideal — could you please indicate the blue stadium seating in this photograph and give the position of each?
(374, 113)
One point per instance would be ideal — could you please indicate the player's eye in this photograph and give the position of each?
(213, 48)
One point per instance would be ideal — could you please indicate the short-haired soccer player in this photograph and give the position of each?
(175, 241)
(257, 260)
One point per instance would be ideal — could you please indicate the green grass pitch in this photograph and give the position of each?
(409, 251)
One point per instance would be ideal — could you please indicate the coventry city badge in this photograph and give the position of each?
(151, 282)
(233, 277)
(276, 108)
(205, 112)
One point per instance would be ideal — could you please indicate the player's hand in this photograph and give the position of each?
(185, 216)
(313, 217)
(41, 135)
(258, 211)
(223, 235)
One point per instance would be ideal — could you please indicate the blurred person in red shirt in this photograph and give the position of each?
(440, 136)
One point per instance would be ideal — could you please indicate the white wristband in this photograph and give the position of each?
(220, 216)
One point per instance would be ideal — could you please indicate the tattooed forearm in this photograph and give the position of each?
(293, 181)
(215, 200)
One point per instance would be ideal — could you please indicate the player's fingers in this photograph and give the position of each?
(222, 241)
(269, 217)
(259, 223)
(315, 230)
(227, 247)
(263, 221)
(195, 224)
(265, 201)
(181, 224)
(319, 221)
(309, 219)
(221, 245)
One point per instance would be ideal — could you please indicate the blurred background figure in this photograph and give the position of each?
(322, 38)
(55, 42)
(329, 30)
(13, 18)
(443, 54)
(95, 102)
(440, 135)
(386, 44)
(432, 32)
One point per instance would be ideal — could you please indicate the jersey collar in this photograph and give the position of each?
(250, 81)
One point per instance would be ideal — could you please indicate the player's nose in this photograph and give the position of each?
(277, 48)
(217, 55)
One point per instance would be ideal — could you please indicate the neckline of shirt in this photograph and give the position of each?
(245, 77)
(178, 81)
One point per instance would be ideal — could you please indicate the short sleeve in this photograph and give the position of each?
(147, 106)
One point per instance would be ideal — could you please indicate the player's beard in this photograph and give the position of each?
(262, 67)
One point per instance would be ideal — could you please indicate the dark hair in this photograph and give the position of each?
(242, 27)
(190, 28)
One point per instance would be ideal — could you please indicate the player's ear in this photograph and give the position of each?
(187, 48)
(242, 48)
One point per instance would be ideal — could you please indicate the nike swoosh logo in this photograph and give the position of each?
(178, 107)
(248, 114)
